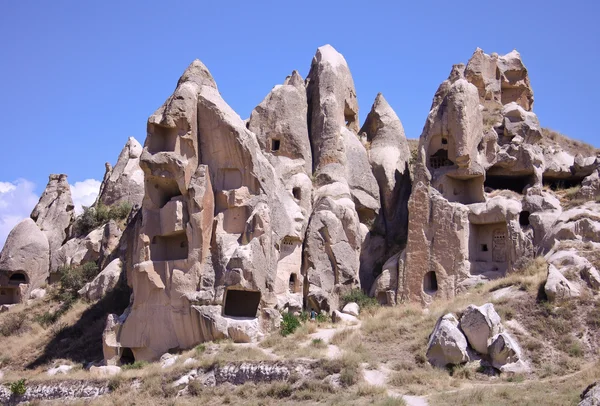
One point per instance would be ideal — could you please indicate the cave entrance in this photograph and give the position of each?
(127, 357)
(17, 278)
(524, 218)
(241, 303)
(561, 183)
(502, 182)
(430, 284)
(293, 283)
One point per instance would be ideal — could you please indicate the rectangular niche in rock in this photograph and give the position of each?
(241, 303)
(169, 247)
(162, 139)
(487, 247)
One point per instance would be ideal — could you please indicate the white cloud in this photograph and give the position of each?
(17, 200)
(84, 193)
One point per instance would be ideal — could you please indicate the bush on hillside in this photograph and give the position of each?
(95, 216)
(360, 298)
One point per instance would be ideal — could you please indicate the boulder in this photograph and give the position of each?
(447, 344)
(167, 360)
(351, 309)
(103, 282)
(591, 395)
(480, 324)
(24, 261)
(37, 293)
(503, 350)
(61, 369)
(557, 287)
(105, 371)
(343, 318)
(124, 183)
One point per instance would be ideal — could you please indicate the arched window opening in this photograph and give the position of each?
(17, 278)
(430, 285)
(293, 282)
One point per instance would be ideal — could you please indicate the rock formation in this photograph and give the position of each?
(477, 209)
(124, 183)
(237, 221)
(55, 211)
(24, 262)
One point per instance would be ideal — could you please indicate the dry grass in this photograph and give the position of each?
(558, 392)
(573, 147)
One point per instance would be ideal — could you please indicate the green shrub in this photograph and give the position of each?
(200, 348)
(323, 317)
(360, 298)
(95, 216)
(318, 343)
(18, 388)
(135, 365)
(289, 324)
(72, 279)
(12, 324)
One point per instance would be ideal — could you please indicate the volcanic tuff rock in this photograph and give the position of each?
(241, 220)
(24, 262)
(125, 182)
(55, 211)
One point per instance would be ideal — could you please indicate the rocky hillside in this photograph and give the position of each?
(471, 253)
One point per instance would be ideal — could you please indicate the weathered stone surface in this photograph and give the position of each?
(385, 287)
(124, 183)
(501, 79)
(503, 350)
(343, 318)
(61, 369)
(80, 250)
(447, 344)
(24, 262)
(591, 395)
(389, 156)
(480, 324)
(103, 282)
(105, 371)
(55, 211)
(351, 309)
(557, 287)
(342, 197)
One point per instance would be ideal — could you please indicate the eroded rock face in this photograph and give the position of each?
(24, 262)
(124, 183)
(218, 218)
(478, 155)
(103, 282)
(292, 208)
(55, 211)
(591, 395)
(344, 195)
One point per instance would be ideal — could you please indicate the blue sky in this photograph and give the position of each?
(78, 78)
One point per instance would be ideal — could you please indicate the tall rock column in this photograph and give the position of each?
(345, 191)
(55, 212)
